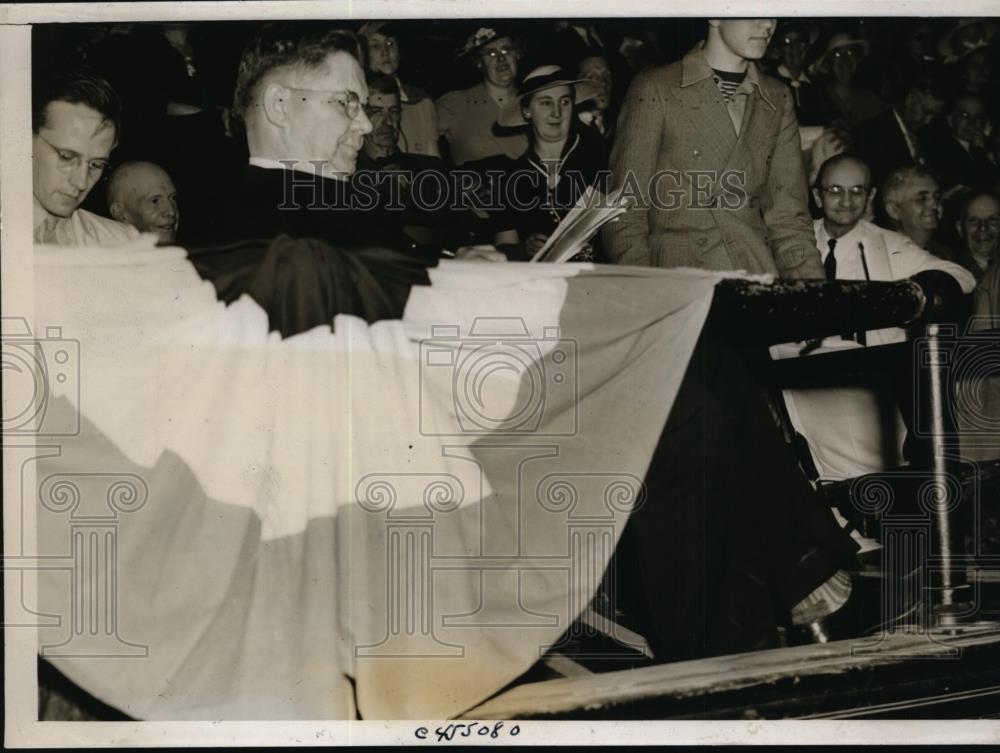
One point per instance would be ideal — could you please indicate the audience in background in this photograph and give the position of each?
(891, 139)
(176, 82)
(835, 95)
(418, 130)
(561, 161)
(142, 195)
(466, 118)
(979, 229)
(912, 201)
(791, 49)
(598, 114)
(956, 150)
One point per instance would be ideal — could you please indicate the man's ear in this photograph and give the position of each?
(892, 209)
(117, 210)
(960, 229)
(274, 101)
(818, 197)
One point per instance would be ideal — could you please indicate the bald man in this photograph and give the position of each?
(142, 195)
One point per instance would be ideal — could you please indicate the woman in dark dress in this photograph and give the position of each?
(561, 161)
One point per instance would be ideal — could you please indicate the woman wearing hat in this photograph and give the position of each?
(418, 132)
(834, 97)
(466, 117)
(561, 160)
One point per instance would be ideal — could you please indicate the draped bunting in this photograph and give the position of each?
(377, 516)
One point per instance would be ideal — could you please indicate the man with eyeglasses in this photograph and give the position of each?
(857, 429)
(791, 45)
(75, 122)
(956, 151)
(302, 94)
(979, 228)
(466, 118)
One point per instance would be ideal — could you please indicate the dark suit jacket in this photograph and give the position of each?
(882, 145)
(954, 164)
(674, 119)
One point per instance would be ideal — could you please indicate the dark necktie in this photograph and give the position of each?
(830, 263)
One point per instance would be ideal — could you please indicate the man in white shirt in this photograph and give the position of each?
(856, 430)
(75, 121)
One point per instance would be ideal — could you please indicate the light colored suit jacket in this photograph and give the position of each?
(677, 146)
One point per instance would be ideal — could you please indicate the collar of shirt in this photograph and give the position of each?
(695, 68)
(41, 216)
(402, 91)
(300, 167)
(787, 74)
(910, 143)
(847, 250)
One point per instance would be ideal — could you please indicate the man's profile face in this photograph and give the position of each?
(384, 112)
(747, 37)
(326, 122)
(149, 202)
(383, 54)
(844, 194)
(596, 69)
(69, 154)
(917, 207)
(968, 119)
(498, 62)
(981, 226)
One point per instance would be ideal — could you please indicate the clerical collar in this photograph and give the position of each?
(299, 166)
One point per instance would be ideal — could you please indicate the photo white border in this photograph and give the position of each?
(22, 730)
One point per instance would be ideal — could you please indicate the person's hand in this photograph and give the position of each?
(483, 252)
(534, 243)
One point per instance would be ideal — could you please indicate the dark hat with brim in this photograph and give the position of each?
(946, 45)
(483, 36)
(538, 80)
(838, 41)
(386, 28)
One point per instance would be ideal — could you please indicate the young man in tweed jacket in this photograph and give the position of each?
(710, 148)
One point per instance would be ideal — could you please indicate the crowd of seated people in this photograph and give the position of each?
(533, 111)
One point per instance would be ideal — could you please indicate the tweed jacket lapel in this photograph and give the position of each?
(703, 108)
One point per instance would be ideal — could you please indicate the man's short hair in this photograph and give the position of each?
(896, 182)
(927, 79)
(79, 87)
(288, 45)
(963, 212)
(381, 83)
(835, 160)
